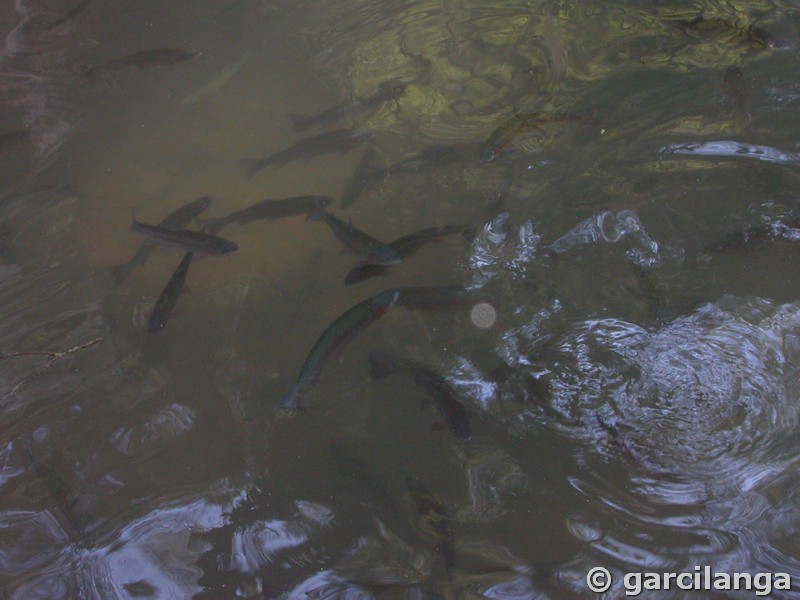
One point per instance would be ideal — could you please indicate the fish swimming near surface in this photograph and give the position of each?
(177, 219)
(352, 108)
(445, 297)
(405, 246)
(339, 333)
(338, 142)
(267, 210)
(502, 140)
(146, 58)
(197, 242)
(439, 391)
(434, 520)
(371, 250)
(169, 296)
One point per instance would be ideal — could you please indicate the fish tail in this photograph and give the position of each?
(300, 122)
(381, 364)
(251, 167)
(293, 400)
(134, 222)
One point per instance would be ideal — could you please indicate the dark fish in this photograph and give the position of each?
(732, 32)
(371, 251)
(352, 108)
(735, 93)
(267, 210)
(169, 296)
(439, 391)
(370, 171)
(339, 141)
(435, 520)
(405, 246)
(435, 298)
(177, 219)
(502, 139)
(340, 332)
(143, 59)
(197, 242)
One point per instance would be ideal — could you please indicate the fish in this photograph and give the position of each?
(439, 391)
(501, 140)
(735, 93)
(435, 520)
(370, 172)
(197, 242)
(435, 298)
(343, 330)
(732, 32)
(339, 141)
(405, 246)
(351, 108)
(145, 58)
(268, 209)
(177, 219)
(213, 86)
(371, 250)
(169, 296)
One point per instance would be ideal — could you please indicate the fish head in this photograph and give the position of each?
(222, 247)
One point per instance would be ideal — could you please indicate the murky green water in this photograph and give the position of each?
(633, 406)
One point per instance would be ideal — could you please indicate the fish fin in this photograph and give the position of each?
(251, 167)
(293, 400)
(301, 122)
(381, 365)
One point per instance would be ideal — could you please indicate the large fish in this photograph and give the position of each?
(177, 219)
(145, 58)
(197, 242)
(405, 246)
(169, 296)
(439, 391)
(352, 108)
(339, 142)
(269, 209)
(340, 332)
(371, 250)
(434, 520)
(435, 298)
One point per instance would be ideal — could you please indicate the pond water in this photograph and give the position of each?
(616, 383)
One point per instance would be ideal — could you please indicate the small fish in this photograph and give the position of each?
(339, 141)
(169, 296)
(197, 242)
(370, 170)
(143, 59)
(269, 209)
(405, 246)
(340, 332)
(439, 391)
(371, 251)
(352, 108)
(502, 139)
(435, 520)
(435, 298)
(177, 219)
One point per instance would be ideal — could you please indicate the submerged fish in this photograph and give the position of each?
(439, 391)
(339, 141)
(352, 108)
(197, 242)
(370, 170)
(434, 520)
(269, 209)
(213, 86)
(735, 93)
(405, 246)
(435, 298)
(340, 332)
(502, 139)
(732, 32)
(169, 296)
(177, 219)
(145, 58)
(371, 250)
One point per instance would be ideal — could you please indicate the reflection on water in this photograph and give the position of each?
(626, 356)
